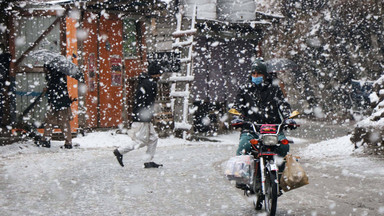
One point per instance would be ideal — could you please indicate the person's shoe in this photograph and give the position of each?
(46, 144)
(119, 157)
(152, 165)
(241, 186)
(280, 192)
(66, 146)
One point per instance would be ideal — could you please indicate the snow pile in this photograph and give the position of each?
(377, 99)
(370, 131)
(340, 146)
(102, 139)
(340, 153)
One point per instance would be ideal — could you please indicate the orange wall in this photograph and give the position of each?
(90, 65)
(72, 83)
(100, 89)
(111, 103)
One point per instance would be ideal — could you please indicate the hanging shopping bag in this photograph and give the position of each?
(293, 175)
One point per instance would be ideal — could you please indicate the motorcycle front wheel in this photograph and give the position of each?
(258, 202)
(271, 192)
(256, 186)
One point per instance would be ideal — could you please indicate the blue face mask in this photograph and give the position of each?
(257, 80)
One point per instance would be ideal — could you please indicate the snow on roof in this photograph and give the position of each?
(39, 7)
(44, 4)
(53, 2)
(272, 15)
(252, 23)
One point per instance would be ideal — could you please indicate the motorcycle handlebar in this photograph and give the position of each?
(256, 126)
(248, 122)
(297, 125)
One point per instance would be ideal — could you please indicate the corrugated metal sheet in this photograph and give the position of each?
(28, 87)
(206, 9)
(28, 30)
(236, 10)
(224, 10)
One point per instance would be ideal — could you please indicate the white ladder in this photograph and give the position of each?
(185, 77)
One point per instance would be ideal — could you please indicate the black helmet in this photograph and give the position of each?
(259, 66)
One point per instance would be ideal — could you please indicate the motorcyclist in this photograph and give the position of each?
(262, 102)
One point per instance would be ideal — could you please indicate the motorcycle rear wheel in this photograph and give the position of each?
(271, 189)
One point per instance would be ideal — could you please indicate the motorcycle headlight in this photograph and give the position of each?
(270, 140)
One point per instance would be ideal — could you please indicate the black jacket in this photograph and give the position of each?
(143, 107)
(57, 91)
(263, 104)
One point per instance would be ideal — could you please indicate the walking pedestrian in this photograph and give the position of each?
(142, 131)
(59, 110)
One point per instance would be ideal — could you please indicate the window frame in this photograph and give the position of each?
(130, 51)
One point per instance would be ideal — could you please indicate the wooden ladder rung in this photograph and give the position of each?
(182, 44)
(182, 78)
(184, 33)
(179, 94)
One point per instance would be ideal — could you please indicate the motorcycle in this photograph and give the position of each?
(264, 181)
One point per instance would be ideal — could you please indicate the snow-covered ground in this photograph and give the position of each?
(107, 139)
(347, 156)
(88, 180)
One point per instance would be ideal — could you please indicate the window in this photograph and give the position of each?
(129, 38)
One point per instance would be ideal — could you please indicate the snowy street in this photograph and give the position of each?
(89, 181)
(204, 70)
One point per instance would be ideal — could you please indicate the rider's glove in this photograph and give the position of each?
(291, 124)
(237, 122)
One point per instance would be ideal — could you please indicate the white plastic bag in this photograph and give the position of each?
(240, 168)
